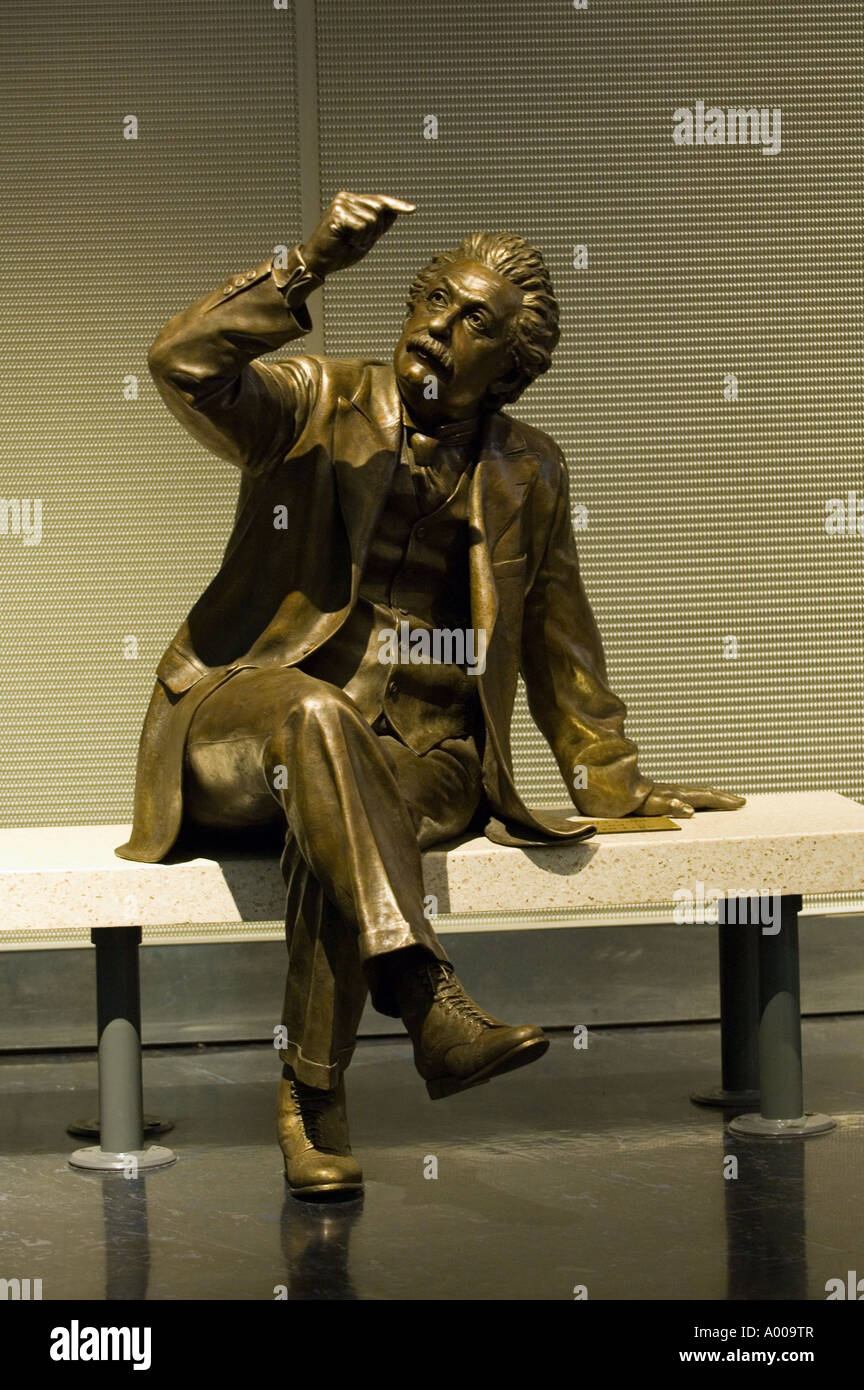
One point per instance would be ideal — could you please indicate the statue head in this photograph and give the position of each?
(481, 325)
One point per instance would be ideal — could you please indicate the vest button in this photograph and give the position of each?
(420, 532)
(393, 689)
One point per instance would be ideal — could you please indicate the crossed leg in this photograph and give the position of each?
(359, 807)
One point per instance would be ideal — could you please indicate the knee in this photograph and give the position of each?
(317, 708)
(321, 704)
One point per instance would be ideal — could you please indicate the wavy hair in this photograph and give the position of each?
(533, 330)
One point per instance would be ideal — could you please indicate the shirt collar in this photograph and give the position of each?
(457, 434)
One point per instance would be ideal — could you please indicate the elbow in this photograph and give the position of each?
(174, 369)
(172, 348)
(159, 358)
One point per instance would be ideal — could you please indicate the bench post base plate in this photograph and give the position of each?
(90, 1129)
(726, 1100)
(757, 1126)
(132, 1162)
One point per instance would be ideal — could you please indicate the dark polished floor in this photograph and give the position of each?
(589, 1168)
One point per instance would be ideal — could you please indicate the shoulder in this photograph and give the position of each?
(336, 376)
(549, 454)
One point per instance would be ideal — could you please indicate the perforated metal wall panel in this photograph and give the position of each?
(103, 239)
(706, 515)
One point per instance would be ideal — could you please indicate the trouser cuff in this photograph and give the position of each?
(380, 977)
(324, 1076)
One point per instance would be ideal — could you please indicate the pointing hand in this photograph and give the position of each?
(349, 229)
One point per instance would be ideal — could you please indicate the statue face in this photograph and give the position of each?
(458, 335)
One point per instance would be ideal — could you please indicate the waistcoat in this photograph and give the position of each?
(406, 649)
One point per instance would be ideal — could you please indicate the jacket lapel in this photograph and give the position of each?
(363, 447)
(502, 478)
(504, 472)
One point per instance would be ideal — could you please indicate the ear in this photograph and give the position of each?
(501, 392)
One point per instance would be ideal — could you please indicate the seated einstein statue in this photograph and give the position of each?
(402, 549)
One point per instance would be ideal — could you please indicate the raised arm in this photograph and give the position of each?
(203, 361)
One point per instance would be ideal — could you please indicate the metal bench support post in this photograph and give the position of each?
(120, 1089)
(739, 1014)
(782, 1112)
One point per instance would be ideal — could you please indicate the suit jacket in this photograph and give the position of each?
(316, 443)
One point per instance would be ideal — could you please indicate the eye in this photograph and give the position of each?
(478, 321)
(436, 297)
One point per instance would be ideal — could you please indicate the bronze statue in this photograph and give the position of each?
(402, 549)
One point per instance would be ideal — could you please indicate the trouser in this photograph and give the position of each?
(359, 807)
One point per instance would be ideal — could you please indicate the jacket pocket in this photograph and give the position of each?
(503, 569)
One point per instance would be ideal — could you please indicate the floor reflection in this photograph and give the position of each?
(127, 1243)
(315, 1248)
(765, 1220)
(591, 1168)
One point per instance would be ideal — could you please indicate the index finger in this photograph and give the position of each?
(397, 204)
(711, 799)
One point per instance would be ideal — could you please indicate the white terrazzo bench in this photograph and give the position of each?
(754, 865)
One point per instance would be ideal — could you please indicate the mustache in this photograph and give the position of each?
(432, 349)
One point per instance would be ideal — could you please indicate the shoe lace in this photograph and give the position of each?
(311, 1105)
(452, 997)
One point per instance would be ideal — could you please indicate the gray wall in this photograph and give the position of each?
(705, 517)
(102, 239)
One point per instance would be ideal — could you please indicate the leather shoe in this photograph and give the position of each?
(313, 1135)
(457, 1044)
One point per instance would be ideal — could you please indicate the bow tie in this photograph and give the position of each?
(438, 461)
(455, 435)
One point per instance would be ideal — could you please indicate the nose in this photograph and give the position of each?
(440, 323)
